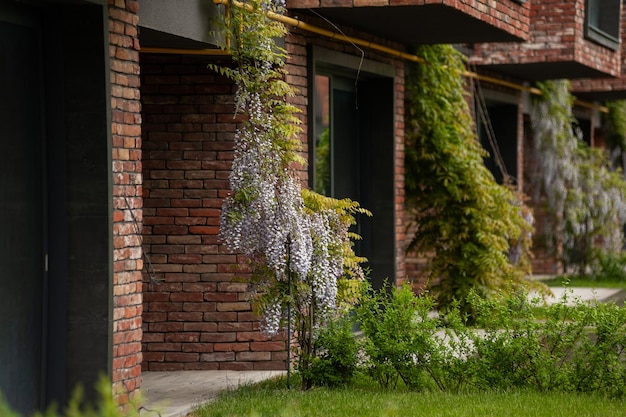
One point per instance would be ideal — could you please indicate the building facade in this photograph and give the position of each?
(120, 143)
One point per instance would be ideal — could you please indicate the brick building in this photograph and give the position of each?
(196, 314)
(120, 142)
(575, 40)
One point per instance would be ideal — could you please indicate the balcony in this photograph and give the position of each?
(415, 22)
(605, 89)
(171, 24)
(568, 39)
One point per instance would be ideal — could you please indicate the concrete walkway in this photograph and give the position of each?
(604, 295)
(175, 394)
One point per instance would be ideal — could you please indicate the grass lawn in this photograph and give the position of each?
(271, 398)
(582, 282)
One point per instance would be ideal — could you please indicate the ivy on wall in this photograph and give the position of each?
(585, 198)
(616, 133)
(464, 221)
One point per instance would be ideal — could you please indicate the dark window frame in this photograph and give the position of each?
(606, 32)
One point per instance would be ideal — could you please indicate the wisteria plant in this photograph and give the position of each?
(585, 198)
(297, 241)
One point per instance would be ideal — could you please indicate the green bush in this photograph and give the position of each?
(335, 361)
(611, 267)
(577, 347)
(574, 346)
(398, 336)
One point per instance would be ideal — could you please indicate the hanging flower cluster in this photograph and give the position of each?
(298, 242)
(585, 199)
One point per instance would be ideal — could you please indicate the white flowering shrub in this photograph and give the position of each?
(297, 241)
(585, 199)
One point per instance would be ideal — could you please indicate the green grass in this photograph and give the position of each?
(575, 281)
(273, 399)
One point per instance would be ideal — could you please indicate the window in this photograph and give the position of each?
(351, 148)
(602, 22)
(337, 146)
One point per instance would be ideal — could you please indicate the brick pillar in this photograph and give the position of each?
(127, 200)
(197, 311)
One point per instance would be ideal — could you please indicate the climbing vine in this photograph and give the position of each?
(616, 133)
(585, 199)
(297, 241)
(464, 221)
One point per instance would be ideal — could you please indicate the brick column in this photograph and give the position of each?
(197, 312)
(127, 200)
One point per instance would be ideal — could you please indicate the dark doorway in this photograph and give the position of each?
(502, 141)
(55, 202)
(352, 156)
(21, 211)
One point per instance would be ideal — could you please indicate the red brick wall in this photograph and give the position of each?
(545, 257)
(198, 316)
(606, 85)
(556, 35)
(127, 201)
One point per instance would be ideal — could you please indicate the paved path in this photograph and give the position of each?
(587, 294)
(175, 394)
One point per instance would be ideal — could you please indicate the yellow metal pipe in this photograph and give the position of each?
(357, 41)
(390, 51)
(503, 83)
(184, 51)
(327, 33)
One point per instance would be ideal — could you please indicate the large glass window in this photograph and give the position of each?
(602, 22)
(321, 162)
(336, 153)
(351, 149)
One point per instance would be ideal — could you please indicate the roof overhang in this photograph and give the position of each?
(418, 24)
(177, 24)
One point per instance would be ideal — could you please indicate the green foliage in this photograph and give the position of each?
(575, 353)
(335, 358)
(5, 410)
(561, 352)
(105, 405)
(574, 347)
(397, 335)
(616, 133)
(611, 267)
(586, 199)
(462, 216)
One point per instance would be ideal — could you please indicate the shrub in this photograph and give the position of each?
(574, 346)
(577, 347)
(335, 357)
(398, 334)
(611, 267)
